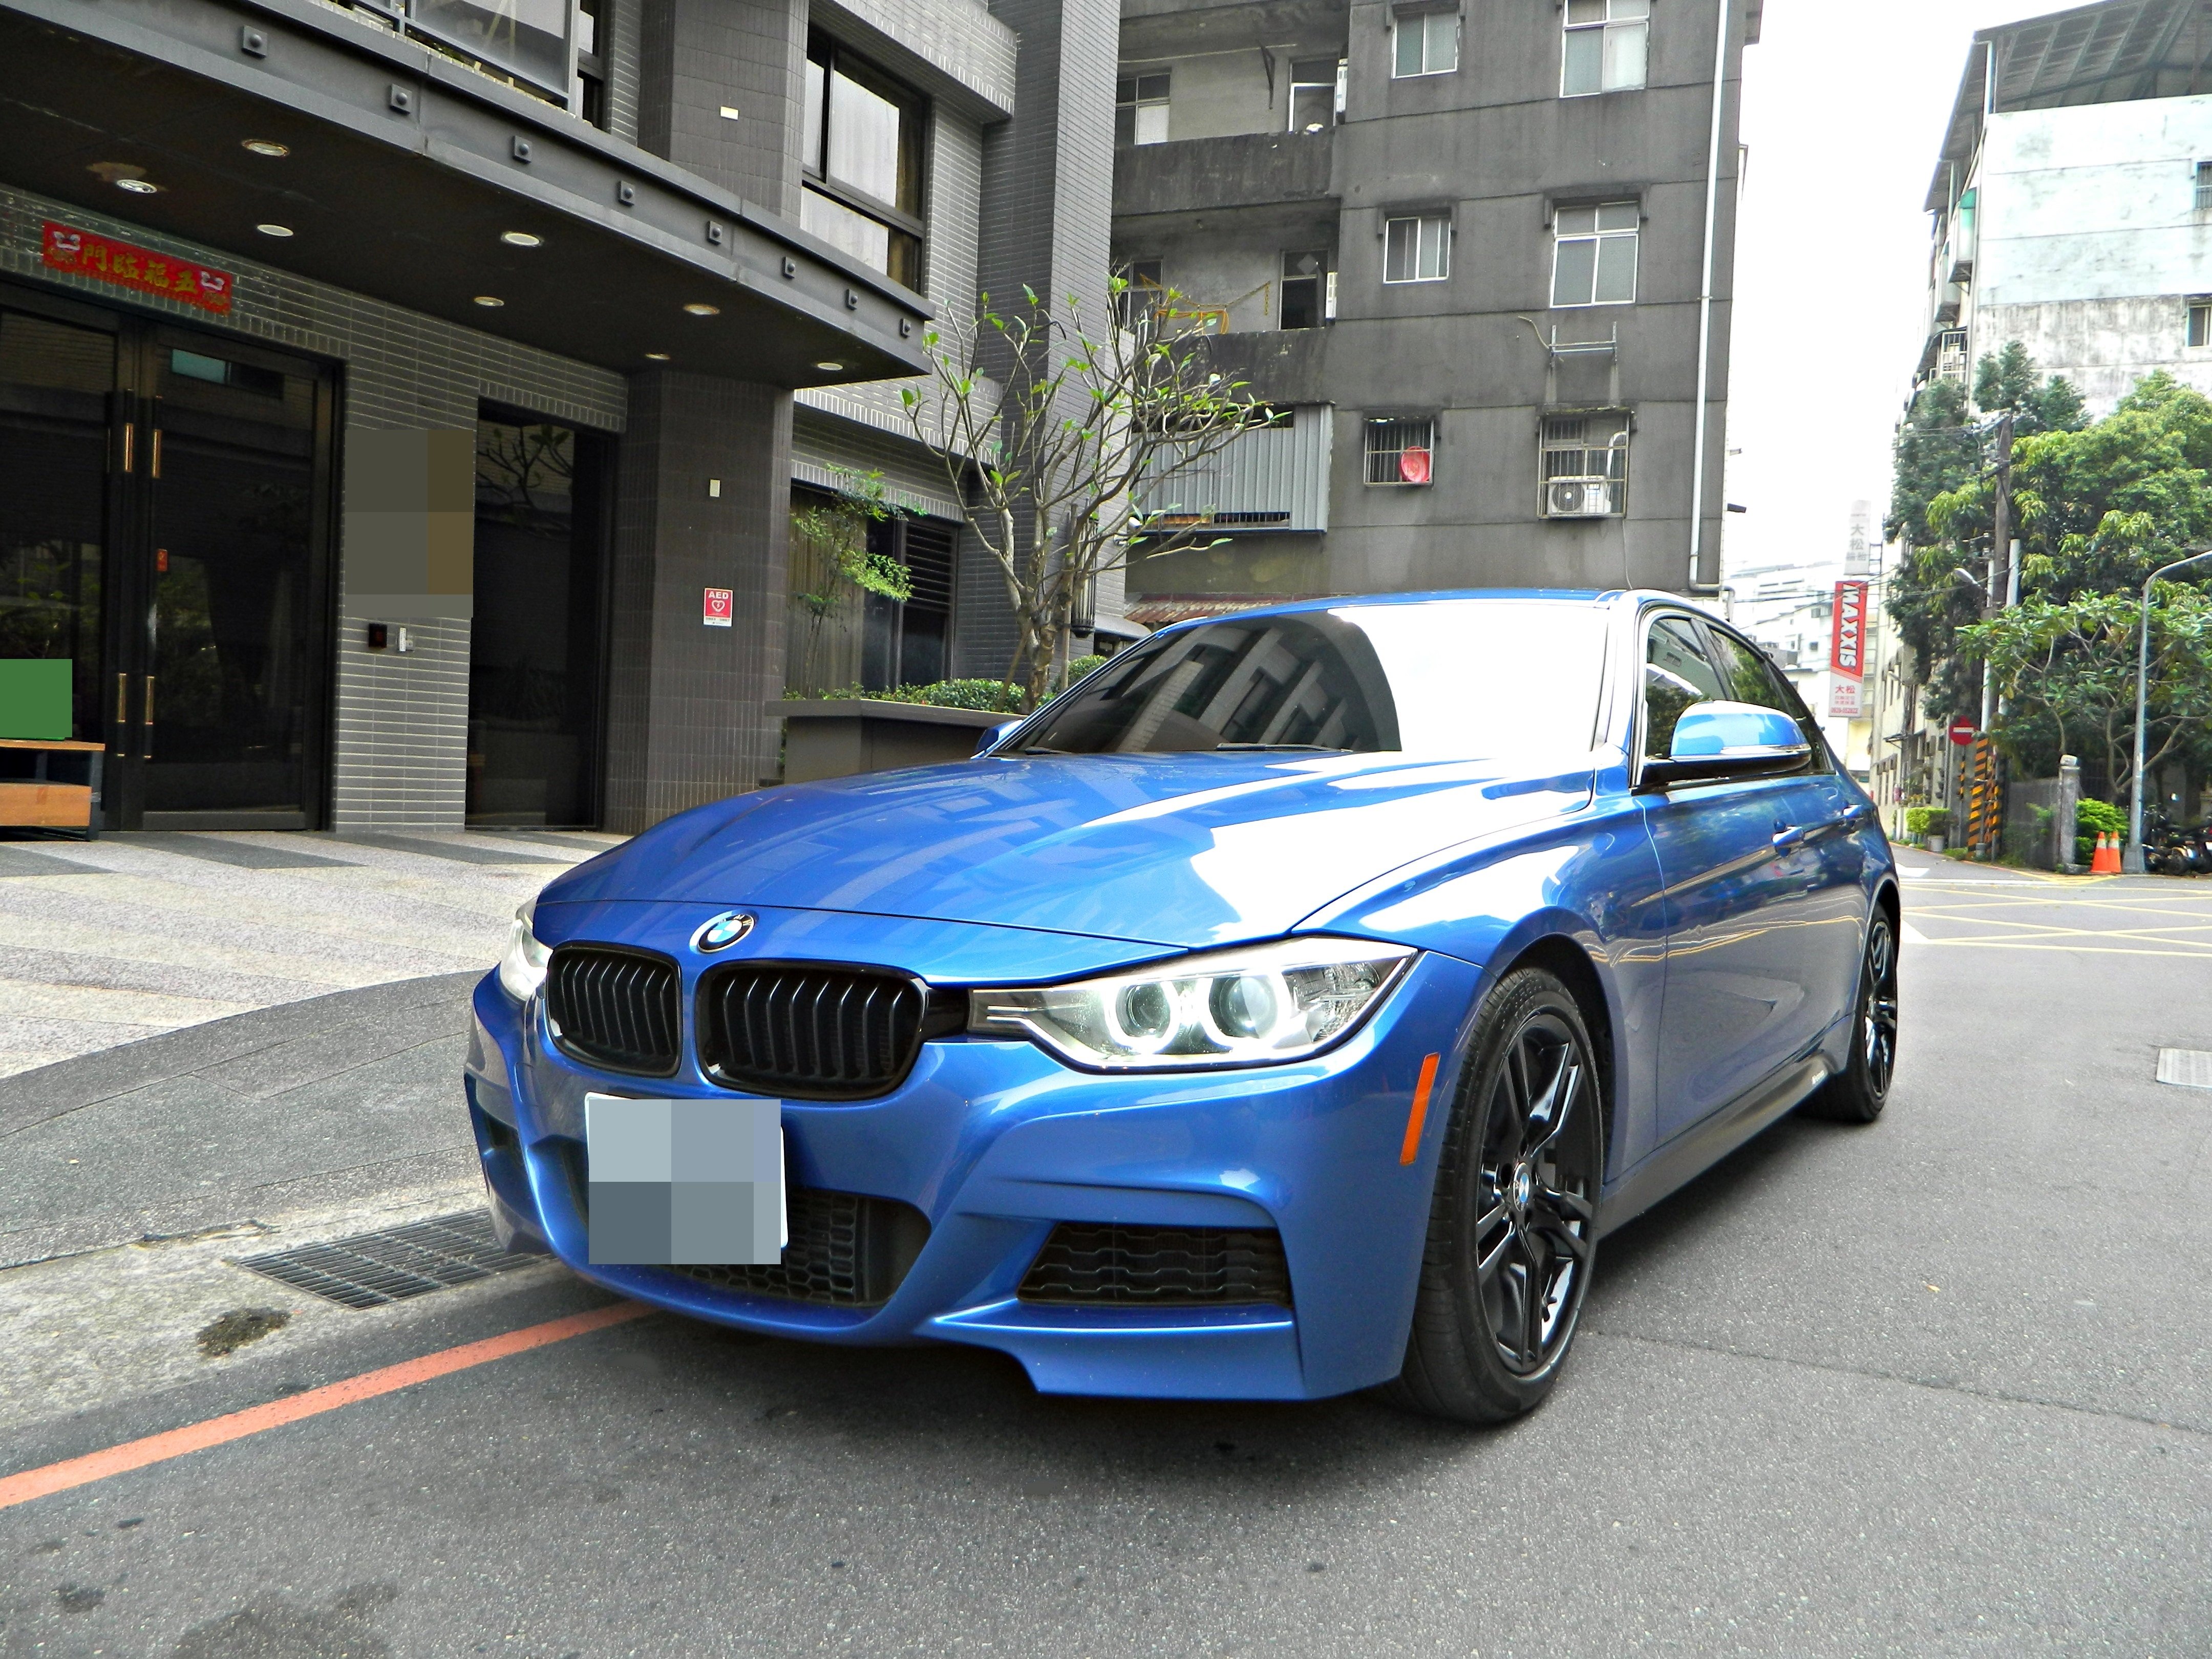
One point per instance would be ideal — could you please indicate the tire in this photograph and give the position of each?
(1859, 1094)
(1482, 1348)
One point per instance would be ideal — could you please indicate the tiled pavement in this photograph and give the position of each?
(108, 941)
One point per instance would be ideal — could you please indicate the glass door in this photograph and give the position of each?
(232, 650)
(164, 525)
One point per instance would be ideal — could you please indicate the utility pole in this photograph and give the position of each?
(1986, 816)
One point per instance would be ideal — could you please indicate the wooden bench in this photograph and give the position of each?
(50, 784)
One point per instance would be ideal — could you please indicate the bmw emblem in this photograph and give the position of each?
(718, 933)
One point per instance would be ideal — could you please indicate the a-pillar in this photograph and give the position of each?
(703, 502)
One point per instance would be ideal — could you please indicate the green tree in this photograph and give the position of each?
(2067, 669)
(2008, 383)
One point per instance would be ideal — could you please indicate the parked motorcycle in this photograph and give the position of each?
(2171, 849)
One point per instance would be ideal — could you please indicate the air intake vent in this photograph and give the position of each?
(1158, 1266)
(813, 1032)
(847, 1251)
(614, 1008)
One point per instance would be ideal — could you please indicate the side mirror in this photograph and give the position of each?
(994, 735)
(1717, 740)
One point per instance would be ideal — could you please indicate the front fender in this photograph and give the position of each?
(1592, 880)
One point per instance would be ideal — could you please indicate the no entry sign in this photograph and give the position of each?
(1962, 732)
(717, 607)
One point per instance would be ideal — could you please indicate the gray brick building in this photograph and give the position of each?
(404, 406)
(1469, 250)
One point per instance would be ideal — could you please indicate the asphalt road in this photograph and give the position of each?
(1939, 1386)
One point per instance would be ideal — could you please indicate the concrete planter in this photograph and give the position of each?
(836, 738)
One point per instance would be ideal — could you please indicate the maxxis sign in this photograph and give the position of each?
(1847, 651)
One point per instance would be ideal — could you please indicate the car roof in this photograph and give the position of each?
(1596, 598)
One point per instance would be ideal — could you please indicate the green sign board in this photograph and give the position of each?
(34, 698)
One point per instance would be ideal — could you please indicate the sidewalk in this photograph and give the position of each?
(109, 941)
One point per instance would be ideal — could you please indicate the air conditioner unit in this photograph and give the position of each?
(1578, 498)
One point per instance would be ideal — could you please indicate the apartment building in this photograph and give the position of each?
(2071, 202)
(1474, 255)
(403, 405)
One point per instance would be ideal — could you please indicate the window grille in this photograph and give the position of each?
(1146, 291)
(2203, 185)
(1951, 355)
(1594, 254)
(1140, 109)
(1417, 248)
(1606, 47)
(1585, 466)
(2200, 322)
(1427, 43)
(1402, 450)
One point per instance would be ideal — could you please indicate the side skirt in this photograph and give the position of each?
(1692, 1153)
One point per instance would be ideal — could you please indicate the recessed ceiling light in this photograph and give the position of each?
(656, 356)
(274, 230)
(829, 368)
(267, 147)
(698, 310)
(138, 186)
(522, 238)
(489, 300)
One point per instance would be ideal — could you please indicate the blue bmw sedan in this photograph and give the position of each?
(1292, 1006)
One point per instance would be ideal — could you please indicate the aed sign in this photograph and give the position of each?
(1847, 637)
(717, 608)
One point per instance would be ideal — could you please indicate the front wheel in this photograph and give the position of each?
(1512, 1223)
(1859, 1094)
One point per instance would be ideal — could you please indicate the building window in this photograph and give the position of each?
(2200, 322)
(588, 93)
(1306, 289)
(861, 151)
(1146, 289)
(1593, 255)
(1951, 355)
(1417, 248)
(1402, 450)
(1315, 93)
(1428, 44)
(1140, 109)
(2203, 187)
(1607, 46)
(1585, 466)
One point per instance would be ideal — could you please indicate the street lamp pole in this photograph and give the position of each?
(2132, 860)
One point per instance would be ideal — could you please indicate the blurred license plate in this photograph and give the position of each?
(685, 1181)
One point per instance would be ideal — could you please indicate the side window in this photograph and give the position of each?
(1676, 673)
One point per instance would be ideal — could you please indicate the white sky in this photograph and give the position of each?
(1844, 108)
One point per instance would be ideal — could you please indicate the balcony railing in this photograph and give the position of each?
(529, 41)
(1271, 477)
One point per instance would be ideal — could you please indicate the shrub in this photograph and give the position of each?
(993, 697)
(1922, 821)
(2093, 819)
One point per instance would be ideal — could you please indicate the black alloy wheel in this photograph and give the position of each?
(1859, 1094)
(1512, 1225)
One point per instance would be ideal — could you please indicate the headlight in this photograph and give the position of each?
(1253, 1006)
(522, 970)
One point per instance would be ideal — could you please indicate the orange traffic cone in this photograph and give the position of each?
(2107, 859)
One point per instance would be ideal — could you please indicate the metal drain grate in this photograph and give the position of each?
(2190, 1067)
(374, 1268)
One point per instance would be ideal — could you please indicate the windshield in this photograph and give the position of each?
(1463, 677)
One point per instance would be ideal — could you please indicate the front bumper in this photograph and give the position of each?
(996, 1142)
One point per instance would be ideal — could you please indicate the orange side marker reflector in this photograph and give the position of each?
(236, 1426)
(1418, 1116)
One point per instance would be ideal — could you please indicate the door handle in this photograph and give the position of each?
(1790, 836)
(149, 717)
(122, 707)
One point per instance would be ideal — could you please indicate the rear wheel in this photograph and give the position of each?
(1512, 1224)
(1859, 1094)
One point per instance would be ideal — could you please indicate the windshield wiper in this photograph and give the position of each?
(1311, 748)
(1040, 748)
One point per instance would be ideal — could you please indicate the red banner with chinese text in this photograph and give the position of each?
(84, 254)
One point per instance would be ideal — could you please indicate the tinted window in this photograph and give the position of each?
(1676, 673)
(1752, 678)
(1459, 677)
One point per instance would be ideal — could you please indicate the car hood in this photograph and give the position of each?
(1171, 849)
